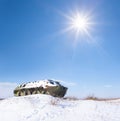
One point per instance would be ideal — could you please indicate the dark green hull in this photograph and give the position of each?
(56, 91)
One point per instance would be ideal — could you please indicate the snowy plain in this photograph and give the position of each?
(46, 108)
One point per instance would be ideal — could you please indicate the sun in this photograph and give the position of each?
(79, 23)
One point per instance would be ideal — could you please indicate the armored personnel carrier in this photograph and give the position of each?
(50, 87)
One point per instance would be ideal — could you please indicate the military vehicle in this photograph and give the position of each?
(50, 87)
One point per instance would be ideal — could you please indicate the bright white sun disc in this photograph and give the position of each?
(79, 23)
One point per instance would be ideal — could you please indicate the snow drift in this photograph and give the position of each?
(41, 108)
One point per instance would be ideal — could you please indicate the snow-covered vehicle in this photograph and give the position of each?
(49, 87)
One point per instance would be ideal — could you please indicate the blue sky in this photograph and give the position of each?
(33, 45)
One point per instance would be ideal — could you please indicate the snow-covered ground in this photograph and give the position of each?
(47, 108)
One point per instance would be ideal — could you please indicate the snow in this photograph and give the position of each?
(41, 83)
(46, 108)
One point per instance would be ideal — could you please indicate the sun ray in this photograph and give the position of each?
(79, 23)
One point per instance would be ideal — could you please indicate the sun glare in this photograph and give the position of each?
(80, 23)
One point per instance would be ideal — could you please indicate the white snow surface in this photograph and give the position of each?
(46, 108)
(40, 83)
